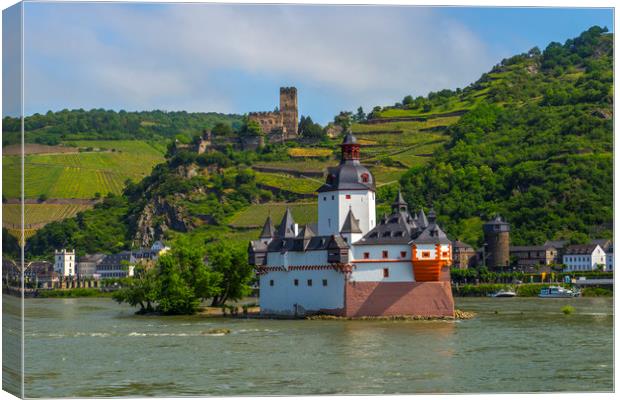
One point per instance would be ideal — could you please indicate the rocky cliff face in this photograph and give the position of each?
(159, 216)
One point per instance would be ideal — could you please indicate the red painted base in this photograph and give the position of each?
(426, 299)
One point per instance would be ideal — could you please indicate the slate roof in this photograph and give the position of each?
(604, 243)
(286, 228)
(306, 244)
(351, 224)
(268, 229)
(397, 228)
(348, 175)
(432, 234)
(580, 249)
(558, 244)
(421, 219)
(531, 248)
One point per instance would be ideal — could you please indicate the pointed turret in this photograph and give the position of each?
(432, 217)
(306, 234)
(288, 227)
(269, 231)
(422, 221)
(399, 203)
(351, 224)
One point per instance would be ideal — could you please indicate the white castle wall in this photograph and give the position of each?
(334, 207)
(295, 258)
(373, 272)
(283, 295)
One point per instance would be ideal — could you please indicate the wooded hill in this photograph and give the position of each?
(538, 149)
(532, 139)
(53, 128)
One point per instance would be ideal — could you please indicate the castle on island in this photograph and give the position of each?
(350, 263)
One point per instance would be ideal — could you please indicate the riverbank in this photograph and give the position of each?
(522, 290)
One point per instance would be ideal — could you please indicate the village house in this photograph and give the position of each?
(609, 258)
(533, 257)
(355, 264)
(463, 255)
(585, 257)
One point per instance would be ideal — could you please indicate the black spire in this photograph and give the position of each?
(399, 203)
(287, 226)
(268, 230)
(432, 217)
(422, 221)
(351, 224)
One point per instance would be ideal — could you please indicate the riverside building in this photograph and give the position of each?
(351, 263)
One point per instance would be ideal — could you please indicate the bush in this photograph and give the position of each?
(597, 292)
(567, 310)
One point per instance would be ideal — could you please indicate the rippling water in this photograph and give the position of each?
(95, 347)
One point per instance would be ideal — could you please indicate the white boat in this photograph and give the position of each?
(504, 293)
(557, 292)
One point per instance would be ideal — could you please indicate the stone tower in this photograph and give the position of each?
(497, 243)
(288, 110)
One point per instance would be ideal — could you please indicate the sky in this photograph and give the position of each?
(234, 58)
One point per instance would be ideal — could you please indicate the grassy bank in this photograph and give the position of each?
(77, 292)
(523, 290)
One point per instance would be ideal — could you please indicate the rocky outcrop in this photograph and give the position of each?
(158, 216)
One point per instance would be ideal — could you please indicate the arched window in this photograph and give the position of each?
(365, 177)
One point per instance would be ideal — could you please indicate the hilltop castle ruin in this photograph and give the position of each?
(284, 121)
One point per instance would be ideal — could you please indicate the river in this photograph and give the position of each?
(95, 347)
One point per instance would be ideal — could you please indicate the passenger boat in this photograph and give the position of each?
(503, 293)
(557, 292)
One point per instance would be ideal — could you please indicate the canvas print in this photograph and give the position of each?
(211, 199)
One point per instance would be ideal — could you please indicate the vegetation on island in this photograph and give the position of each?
(182, 279)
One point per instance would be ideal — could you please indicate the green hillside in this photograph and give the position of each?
(538, 149)
(531, 139)
(98, 124)
(102, 169)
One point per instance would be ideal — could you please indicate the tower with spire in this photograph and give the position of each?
(349, 187)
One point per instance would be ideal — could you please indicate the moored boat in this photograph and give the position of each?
(557, 292)
(503, 293)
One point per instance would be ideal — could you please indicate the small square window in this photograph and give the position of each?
(385, 254)
(309, 282)
(324, 282)
(296, 282)
(366, 255)
(403, 254)
(444, 254)
(426, 254)
(386, 272)
(348, 197)
(271, 282)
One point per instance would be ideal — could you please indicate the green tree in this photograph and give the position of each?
(140, 290)
(232, 262)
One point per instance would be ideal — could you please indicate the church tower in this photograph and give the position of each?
(349, 188)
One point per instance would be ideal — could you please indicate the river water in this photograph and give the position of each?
(95, 347)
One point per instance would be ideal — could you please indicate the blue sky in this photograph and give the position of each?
(233, 58)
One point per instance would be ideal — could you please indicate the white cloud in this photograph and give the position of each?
(171, 55)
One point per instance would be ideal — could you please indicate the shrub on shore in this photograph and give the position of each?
(77, 292)
(597, 292)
